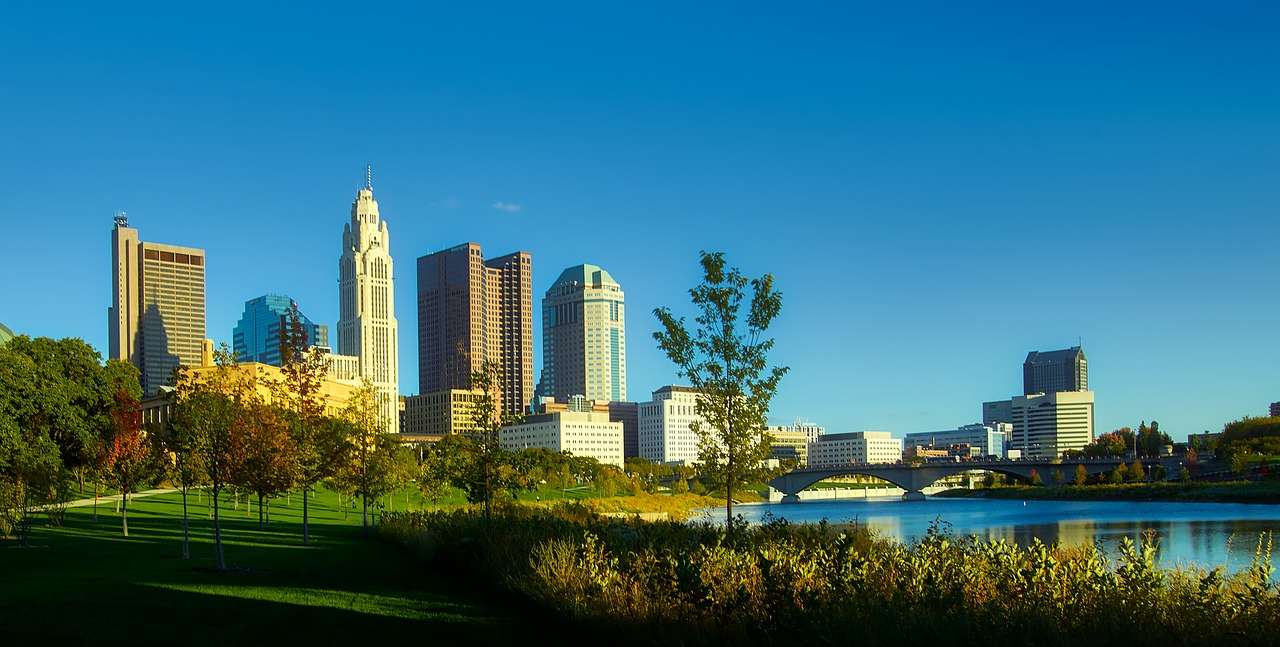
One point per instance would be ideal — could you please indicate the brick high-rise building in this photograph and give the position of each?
(472, 310)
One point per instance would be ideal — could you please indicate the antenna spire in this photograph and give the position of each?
(368, 177)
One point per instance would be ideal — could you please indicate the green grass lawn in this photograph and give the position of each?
(84, 582)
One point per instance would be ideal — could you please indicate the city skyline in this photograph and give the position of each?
(938, 190)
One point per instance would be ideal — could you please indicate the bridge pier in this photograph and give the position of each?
(913, 495)
(791, 498)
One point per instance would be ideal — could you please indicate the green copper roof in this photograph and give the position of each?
(5, 334)
(586, 275)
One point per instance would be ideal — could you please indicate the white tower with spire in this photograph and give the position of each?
(367, 326)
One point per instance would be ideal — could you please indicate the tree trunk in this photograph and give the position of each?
(260, 522)
(124, 511)
(217, 533)
(364, 514)
(488, 493)
(305, 529)
(95, 500)
(728, 494)
(186, 546)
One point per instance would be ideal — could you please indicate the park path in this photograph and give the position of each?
(106, 499)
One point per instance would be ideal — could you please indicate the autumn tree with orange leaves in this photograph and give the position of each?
(126, 456)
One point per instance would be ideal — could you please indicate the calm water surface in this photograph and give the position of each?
(1200, 534)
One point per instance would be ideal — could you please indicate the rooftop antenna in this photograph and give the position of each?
(368, 177)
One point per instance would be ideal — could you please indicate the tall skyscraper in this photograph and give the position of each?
(157, 320)
(471, 310)
(366, 305)
(1055, 371)
(256, 338)
(584, 348)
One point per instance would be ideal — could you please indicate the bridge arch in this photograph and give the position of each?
(914, 478)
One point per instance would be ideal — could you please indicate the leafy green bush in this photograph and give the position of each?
(672, 583)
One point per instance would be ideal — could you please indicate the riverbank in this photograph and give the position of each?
(1267, 492)
(691, 584)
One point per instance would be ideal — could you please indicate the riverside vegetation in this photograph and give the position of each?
(671, 583)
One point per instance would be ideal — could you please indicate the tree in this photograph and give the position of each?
(1249, 436)
(55, 403)
(442, 464)
(1080, 476)
(1116, 476)
(30, 465)
(367, 472)
(127, 459)
(726, 362)
(989, 480)
(1150, 440)
(318, 445)
(1033, 478)
(680, 485)
(1136, 473)
(488, 469)
(268, 464)
(176, 455)
(212, 410)
(1112, 443)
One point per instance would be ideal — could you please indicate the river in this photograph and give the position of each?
(1199, 534)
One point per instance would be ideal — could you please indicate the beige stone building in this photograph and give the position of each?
(367, 327)
(157, 318)
(158, 407)
(432, 416)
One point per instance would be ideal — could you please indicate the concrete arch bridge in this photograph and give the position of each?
(914, 478)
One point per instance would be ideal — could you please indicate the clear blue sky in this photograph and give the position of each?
(937, 187)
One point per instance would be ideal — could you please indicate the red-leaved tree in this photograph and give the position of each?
(126, 456)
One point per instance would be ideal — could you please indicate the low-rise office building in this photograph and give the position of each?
(581, 433)
(856, 447)
(158, 407)
(988, 439)
(1046, 425)
(432, 416)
